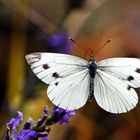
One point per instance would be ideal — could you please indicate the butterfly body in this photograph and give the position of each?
(92, 67)
(92, 72)
(72, 80)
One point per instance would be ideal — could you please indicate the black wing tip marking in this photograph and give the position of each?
(32, 58)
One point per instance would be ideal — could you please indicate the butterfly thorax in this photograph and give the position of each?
(92, 71)
(92, 67)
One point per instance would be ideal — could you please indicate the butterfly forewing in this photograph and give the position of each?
(49, 67)
(66, 75)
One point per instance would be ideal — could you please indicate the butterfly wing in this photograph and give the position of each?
(66, 75)
(114, 82)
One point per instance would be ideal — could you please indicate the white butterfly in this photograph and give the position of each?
(72, 80)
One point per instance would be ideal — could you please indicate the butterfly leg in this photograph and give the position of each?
(91, 90)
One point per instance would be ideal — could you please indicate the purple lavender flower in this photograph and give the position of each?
(29, 124)
(15, 122)
(26, 135)
(62, 115)
(66, 117)
(37, 130)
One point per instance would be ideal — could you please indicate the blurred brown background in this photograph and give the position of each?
(25, 26)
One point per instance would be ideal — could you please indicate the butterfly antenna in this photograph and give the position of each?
(76, 44)
(102, 46)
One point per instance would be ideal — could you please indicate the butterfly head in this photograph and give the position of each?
(91, 60)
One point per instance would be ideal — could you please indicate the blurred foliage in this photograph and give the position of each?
(25, 26)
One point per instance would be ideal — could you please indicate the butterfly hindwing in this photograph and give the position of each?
(112, 94)
(115, 80)
(66, 75)
(71, 92)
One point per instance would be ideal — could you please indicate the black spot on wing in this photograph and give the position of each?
(138, 70)
(129, 87)
(130, 78)
(56, 83)
(46, 66)
(55, 75)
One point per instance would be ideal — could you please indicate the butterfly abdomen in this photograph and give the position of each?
(91, 89)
